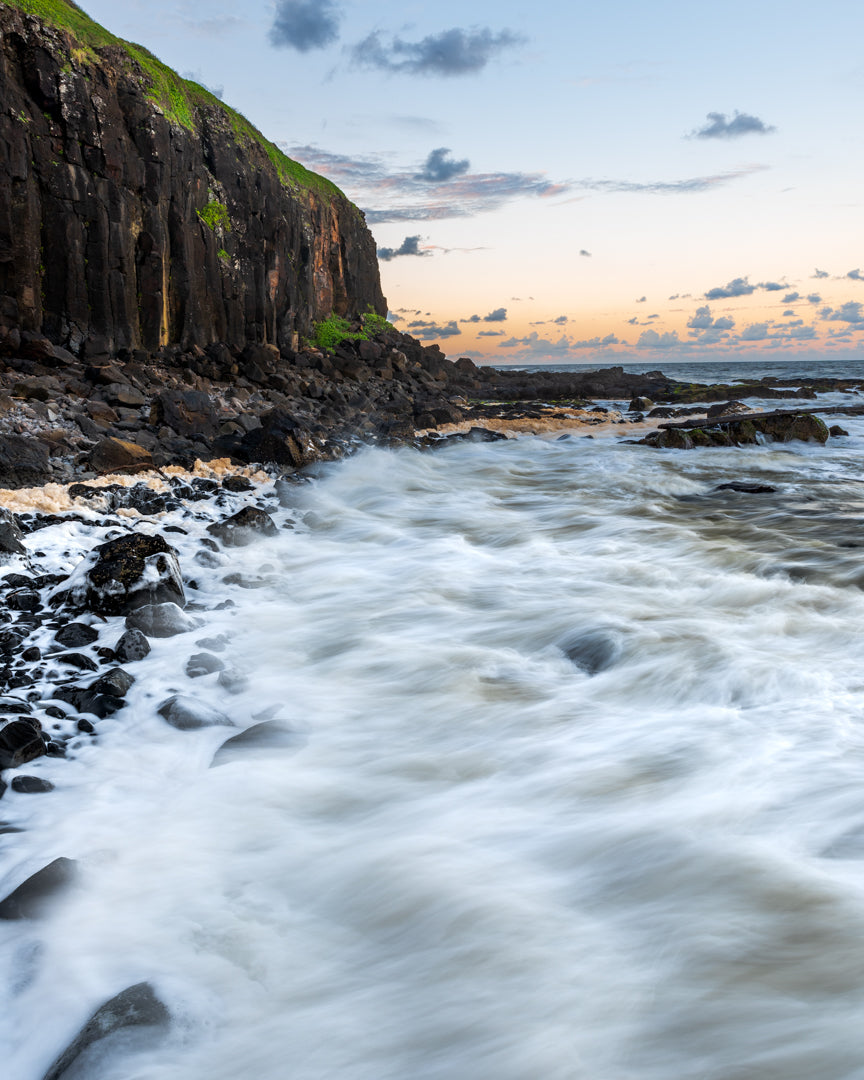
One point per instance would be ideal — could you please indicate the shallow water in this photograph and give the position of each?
(577, 788)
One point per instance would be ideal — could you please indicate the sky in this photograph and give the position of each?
(568, 183)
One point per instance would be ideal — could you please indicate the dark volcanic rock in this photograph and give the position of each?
(132, 646)
(160, 620)
(115, 682)
(31, 785)
(20, 742)
(745, 487)
(127, 573)
(244, 527)
(24, 462)
(83, 699)
(188, 714)
(188, 412)
(280, 440)
(78, 660)
(74, 635)
(32, 896)
(203, 663)
(136, 1006)
(161, 216)
(113, 455)
(10, 535)
(268, 735)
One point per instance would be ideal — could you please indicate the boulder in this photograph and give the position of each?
(115, 682)
(31, 785)
(32, 896)
(203, 663)
(189, 714)
(11, 536)
(20, 741)
(112, 455)
(160, 620)
(136, 1006)
(132, 646)
(74, 635)
(188, 412)
(268, 735)
(125, 574)
(280, 439)
(244, 527)
(24, 462)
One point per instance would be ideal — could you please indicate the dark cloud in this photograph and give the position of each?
(703, 320)
(855, 275)
(491, 333)
(787, 313)
(719, 127)
(452, 52)
(561, 320)
(304, 25)
(814, 298)
(409, 246)
(754, 332)
(736, 287)
(850, 312)
(771, 286)
(650, 339)
(438, 169)
(820, 273)
(429, 330)
(791, 297)
(585, 254)
(498, 315)
(641, 299)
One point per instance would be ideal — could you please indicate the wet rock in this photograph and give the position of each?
(74, 635)
(160, 620)
(835, 430)
(746, 488)
(85, 727)
(640, 404)
(188, 714)
(24, 462)
(237, 484)
(33, 896)
(188, 412)
(32, 655)
(31, 785)
(78, 660)
(203, 663)
(232, 680)
(244, 527)
(124, 574)
(268, 735)
(213, 644)
(280, 440)
(112, 455)
(11, 536)
(593, 651)
(20, 742)
(136, 1006)
(12, 706)
(132, 646)
(83, 699)
(115, 682)
(727, 408)
(24, 600)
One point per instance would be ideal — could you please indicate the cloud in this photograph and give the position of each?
(561, 320)
(703, 320)
(820, 273)
(585, 254)
(641, 299)
(650, 339)
(850, 312)
(754, 332)
(789, 312)
(429, 330)
(534, 347)
(814, 298)
(409, 246)
(771, 286)
(491, 333)
(692, 185)
(498, 315)
(736, 287)
(450, 53)
(791, 297)
(304, 25)
(855, 275)
(719, 127)
(438, 169)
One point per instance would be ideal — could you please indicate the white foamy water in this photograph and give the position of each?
(577, 787)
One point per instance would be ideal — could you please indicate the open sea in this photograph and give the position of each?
(574, 788)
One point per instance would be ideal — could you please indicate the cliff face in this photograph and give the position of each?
(137, 211)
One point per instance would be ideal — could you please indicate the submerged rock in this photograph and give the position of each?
(136, 1006)
(268, 735)
(132, 646)
(31, 785)
(32, 896)
(20, 741)
(188, 714)
(160, 620)
(244, 527)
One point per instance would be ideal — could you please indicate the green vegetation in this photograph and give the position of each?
(175, 96)
(215, 217)
(373, 323)
(333, 331)
(223, 254)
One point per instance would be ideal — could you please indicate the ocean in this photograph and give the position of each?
(574, 788)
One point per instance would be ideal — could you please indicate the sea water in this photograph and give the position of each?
(574, 791)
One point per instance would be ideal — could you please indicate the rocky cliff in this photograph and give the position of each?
(137, 211)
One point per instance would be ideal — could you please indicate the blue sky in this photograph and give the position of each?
(561, 163)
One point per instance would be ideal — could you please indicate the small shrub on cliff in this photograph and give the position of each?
(373, 324)
(215, 217)
(333, 331)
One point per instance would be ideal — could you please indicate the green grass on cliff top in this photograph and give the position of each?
(177, 97)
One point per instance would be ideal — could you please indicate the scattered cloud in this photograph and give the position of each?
(692, 185)
(561, 320)
(498, 315)
(650, 339)
(791, 297)
(736, 287)
(585, 254)
(850, 312)
(703, 320)
(409, 246)
(718, 127)
(771, 286)
(787, 313)
(450, 53)
(641, 299)
(304, 25)
(491, 333)
(754, 332)
(855, 275)
(814, 298)
(820, 273)
(429, 330)
(438, 169)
